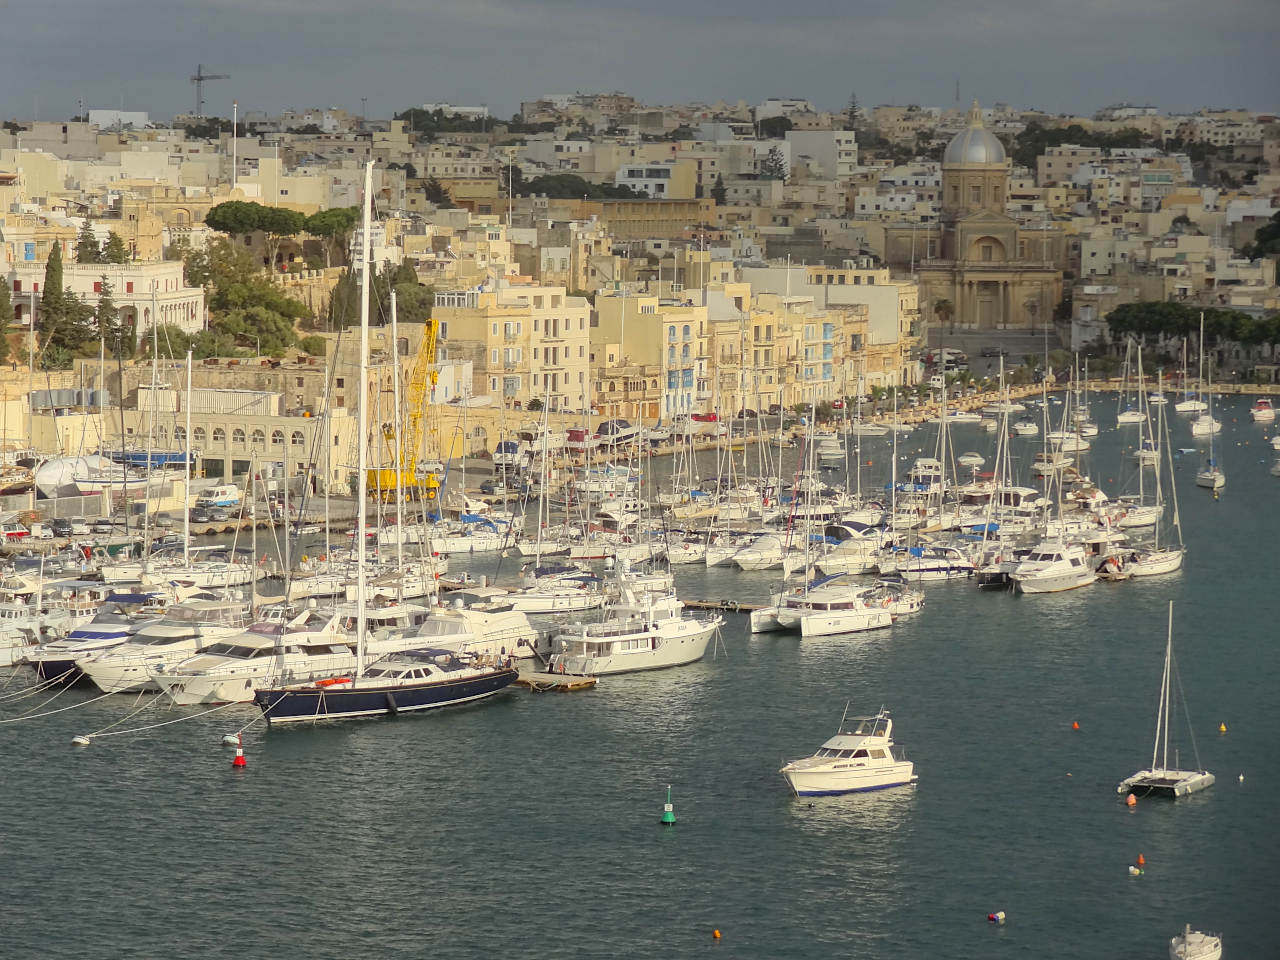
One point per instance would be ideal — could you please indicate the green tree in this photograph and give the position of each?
(106, 314)
(313, 345)
(570, 186)
(236, 217)
(334, 227)
(277, 223)
(6, 317)
(718, 191)
(774, 165)
(167, 341)
(87, 249)
(851, 113)
(1266, 240)
(944, 310)
(436, 193)
(114, 250)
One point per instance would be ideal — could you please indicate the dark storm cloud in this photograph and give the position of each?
(1059, 56)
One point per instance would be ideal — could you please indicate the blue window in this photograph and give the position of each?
(671, 379)
(687, 380)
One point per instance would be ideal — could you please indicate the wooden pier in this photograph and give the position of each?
(540, 682)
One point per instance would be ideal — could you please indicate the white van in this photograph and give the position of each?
(937, 382)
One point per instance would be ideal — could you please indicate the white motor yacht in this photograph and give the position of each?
(643, 633)
(766, 552)
(1053, 566)
(1262, 411)
(1026, 427)
(930, 563)
(567, 594)
(861, 756)
(282, 649)
(486, 633)
(1130, 416)
(118, 617)
(1194, 945)
(183, 630)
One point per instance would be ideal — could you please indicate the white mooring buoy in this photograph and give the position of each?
(231, 740)
(79, 741)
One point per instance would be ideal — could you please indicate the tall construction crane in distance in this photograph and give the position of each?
(198, 79)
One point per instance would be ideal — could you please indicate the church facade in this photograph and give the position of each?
(995, 273)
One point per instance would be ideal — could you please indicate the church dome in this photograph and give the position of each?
(975, 144)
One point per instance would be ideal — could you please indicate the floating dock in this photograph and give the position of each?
(724, 606)
(540, 682)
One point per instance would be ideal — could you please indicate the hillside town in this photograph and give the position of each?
(600, 258)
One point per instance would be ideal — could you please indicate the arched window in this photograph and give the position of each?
(671, 354)
(179, 434)
(671, 333)
(198, 435)
(277, 438)
(257, 436)
(686, 332)
(162, 436)
(237, 436)
(296, 439)
(684, 352)
(219, 435)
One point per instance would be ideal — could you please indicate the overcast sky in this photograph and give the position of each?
(1056, 55)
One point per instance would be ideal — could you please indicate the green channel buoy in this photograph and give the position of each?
(668, 812)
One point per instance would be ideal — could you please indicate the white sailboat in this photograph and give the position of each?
(1160, 779)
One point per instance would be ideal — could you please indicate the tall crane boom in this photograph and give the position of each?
(420, 389)
(198, 79)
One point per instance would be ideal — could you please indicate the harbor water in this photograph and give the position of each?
(528, 826)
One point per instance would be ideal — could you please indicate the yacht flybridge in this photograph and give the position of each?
(861, 756)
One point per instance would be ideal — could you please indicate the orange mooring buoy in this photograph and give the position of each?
(1131, 800)
(1142, 861)
(1075, 724)
(715, 934)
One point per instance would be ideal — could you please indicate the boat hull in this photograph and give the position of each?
(822, 783)
(1166, 783)
(337, 703)
(825, 623)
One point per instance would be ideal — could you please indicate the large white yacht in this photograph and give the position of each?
(180, 633)
(1053, 566)
(117, 618)
(488, 633)
(645, 633)
(286, 648)
(861, 756)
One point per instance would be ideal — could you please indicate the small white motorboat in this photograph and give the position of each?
(1194, 945)
(1262, 411)
(861, 756)
(973, 460)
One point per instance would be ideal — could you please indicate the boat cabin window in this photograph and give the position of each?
(877, 754)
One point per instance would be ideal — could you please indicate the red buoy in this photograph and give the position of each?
(239, 760)
(1142, 861)
(1075, 724)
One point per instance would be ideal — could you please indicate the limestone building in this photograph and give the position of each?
(995, 272)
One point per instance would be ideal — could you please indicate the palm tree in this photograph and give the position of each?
(944, 310)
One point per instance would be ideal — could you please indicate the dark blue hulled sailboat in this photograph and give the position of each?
(404, 682)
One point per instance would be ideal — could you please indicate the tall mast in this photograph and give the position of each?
(400, 458)
(362, 440)
(186, 476)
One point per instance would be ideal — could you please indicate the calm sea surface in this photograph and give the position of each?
(528, 826)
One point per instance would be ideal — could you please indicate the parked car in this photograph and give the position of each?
(747, 414)
(103, 526)
(80, 527)
(60, 527)
(162, 520)
(219, 515)
(198, 515)
(775, 409)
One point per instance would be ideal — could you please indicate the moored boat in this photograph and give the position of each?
(861, 756)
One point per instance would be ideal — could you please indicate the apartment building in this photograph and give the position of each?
(525, 341)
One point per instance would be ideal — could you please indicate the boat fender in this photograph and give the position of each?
(391, 704)
(888, 602)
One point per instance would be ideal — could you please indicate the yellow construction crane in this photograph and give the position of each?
(420, 390)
